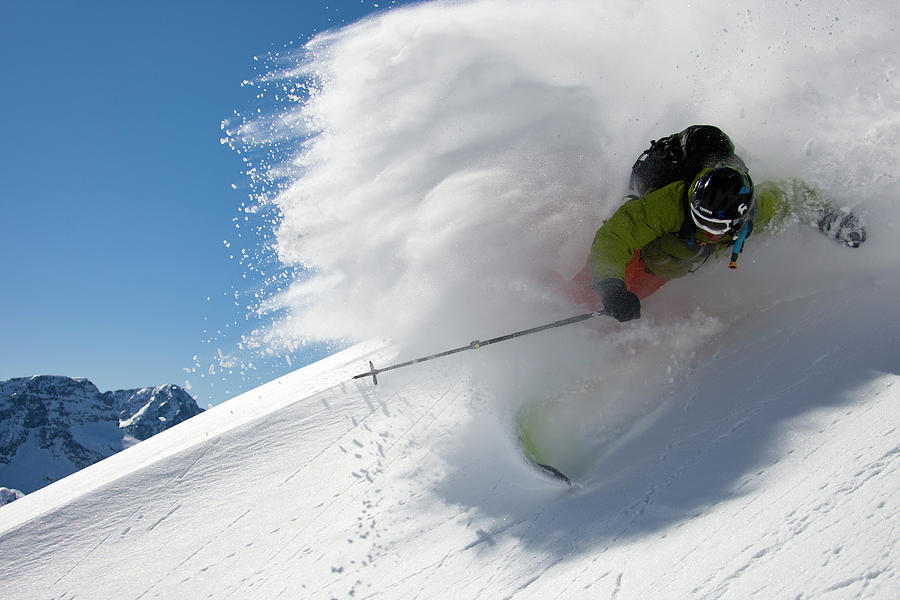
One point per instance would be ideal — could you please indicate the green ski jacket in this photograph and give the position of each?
(650, 224)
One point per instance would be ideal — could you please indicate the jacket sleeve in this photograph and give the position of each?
(787, 202)
(634, 225)
(781, 203)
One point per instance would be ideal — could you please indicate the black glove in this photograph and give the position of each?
(845, 227)
(618, 302)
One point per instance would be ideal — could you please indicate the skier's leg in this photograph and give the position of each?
(639, 280)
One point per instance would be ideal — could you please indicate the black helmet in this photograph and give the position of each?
(721, 199)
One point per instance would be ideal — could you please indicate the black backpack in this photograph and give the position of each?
(681, 156)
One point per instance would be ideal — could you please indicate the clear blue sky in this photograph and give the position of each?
(116, 193)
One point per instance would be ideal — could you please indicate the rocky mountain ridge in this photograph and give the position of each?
(52, 426)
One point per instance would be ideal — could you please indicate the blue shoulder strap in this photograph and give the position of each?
(739, 243)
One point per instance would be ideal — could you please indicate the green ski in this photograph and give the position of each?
(531, 456)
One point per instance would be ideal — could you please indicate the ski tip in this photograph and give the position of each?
(553, 472)
(529, 451)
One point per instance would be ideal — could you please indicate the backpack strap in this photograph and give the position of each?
(739, 243)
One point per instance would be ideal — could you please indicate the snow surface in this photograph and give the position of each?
(771, 471)
(740, 440)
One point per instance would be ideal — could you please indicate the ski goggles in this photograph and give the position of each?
(713, 226)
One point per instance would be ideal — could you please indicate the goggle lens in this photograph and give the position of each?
(713, 226)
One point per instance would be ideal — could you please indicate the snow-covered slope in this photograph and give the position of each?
(771, 471)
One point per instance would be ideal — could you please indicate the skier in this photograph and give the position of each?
(695, 200)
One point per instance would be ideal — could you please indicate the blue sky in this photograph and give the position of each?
(117, 194)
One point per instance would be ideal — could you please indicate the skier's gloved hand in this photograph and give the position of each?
(843, 226)
(618, 302)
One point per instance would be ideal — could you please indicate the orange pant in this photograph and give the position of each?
(638, 280)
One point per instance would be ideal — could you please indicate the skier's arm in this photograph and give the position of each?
(781, 203)
(634, 225)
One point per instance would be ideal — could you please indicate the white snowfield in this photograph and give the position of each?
(770, 471)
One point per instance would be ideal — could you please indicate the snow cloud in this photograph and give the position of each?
(449, 163)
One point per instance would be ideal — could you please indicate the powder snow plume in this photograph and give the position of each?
(445, 165)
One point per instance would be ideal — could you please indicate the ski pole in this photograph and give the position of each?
(373, 372)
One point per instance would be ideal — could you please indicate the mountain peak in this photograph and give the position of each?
(52, 426)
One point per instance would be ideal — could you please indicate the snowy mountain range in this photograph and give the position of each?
(52, 426)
